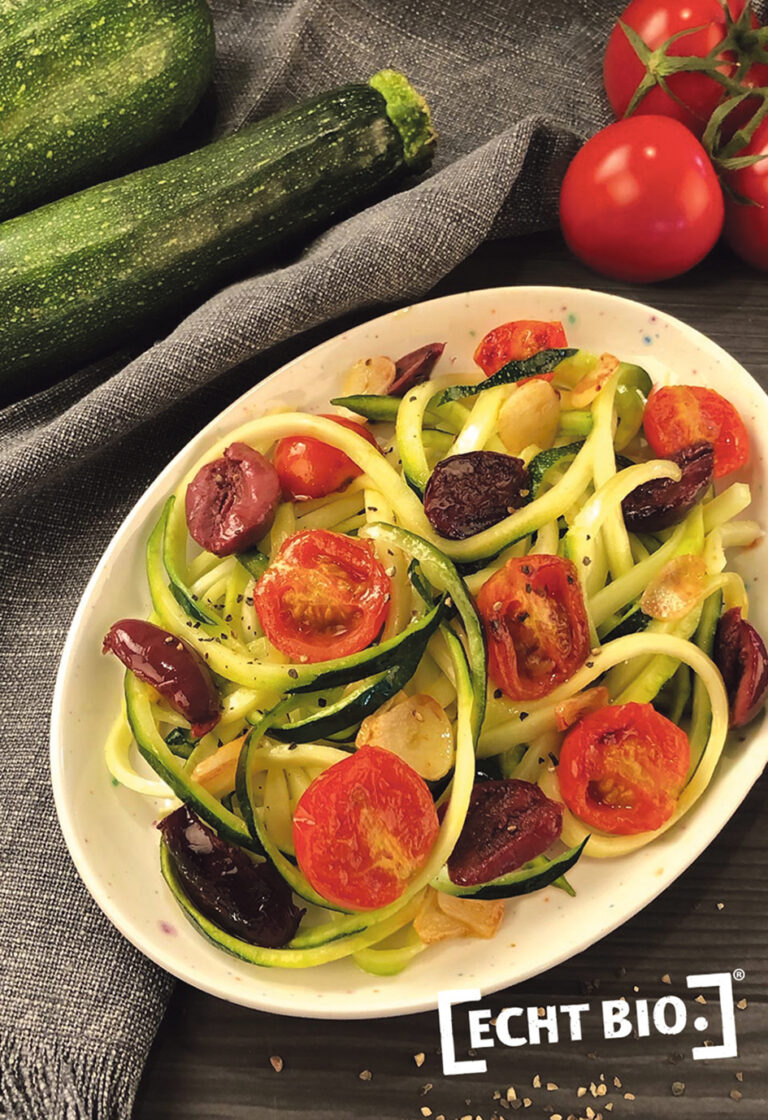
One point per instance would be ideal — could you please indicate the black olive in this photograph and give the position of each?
(508, 823)
(660, 503)
(741, 657)
(415, 367)
(471, 492)
(249, 900)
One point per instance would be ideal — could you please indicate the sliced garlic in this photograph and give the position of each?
(443, 916)
(416, 729)
(676, 590)
(530, 415)
(370, 375)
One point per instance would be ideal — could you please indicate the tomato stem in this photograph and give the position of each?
(742, 46)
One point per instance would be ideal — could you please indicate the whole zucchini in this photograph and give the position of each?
(78, 275)
(84, 84)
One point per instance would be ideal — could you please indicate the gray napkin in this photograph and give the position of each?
(513, 86)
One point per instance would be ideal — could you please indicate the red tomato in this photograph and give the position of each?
(640, 200)
(746, 223)
(364, 828)
(678, 415)
(536, 625)
(308, 468)
(655, 21)
(516, 340)
(622, 769)
(323, 596)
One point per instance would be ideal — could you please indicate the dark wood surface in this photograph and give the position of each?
(211, 1061)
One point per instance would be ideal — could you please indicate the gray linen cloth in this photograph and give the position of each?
(513, 87)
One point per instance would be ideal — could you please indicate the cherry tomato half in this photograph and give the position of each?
(536, 625)
(641, 201)
(678, 415)
(622, 769)
(519, 339)
(308, 468)
(323, 596)
(746, 222)
(363, 829)
(693, 96)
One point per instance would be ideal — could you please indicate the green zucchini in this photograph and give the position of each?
(326, 946)
(532, 876)
(235, 665)
(82, 274)
(352, 709)
(545, 460)
(701, 714)
(575, 423)
(545, 361)
(382, 410)
(247, 799)
(181, 742)
(633, 622)
(442, 574)
(173, 772)
(254, 562)
(86, 84)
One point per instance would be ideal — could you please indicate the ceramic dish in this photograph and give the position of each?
(109, 829)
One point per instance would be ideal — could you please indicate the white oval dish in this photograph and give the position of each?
(109, 830)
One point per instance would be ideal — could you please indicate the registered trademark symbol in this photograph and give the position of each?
(739, 974)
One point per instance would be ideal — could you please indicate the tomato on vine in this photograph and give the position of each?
(641, 200)
(643, 65)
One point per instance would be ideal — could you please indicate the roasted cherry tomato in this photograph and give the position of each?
(622, 769)
(308, 468)
(250, 900)
(536, 625)
(508, 823)
(170, 666)
(678, 415)
(364, 828)
(230, 503)
(323, 596)
(689, 97)
(741, 657)
(641, 200)
(519, 339)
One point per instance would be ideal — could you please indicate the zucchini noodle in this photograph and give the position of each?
(612, 530)
(688, 537)
(117, 752)
(480, 425)
(284, 721)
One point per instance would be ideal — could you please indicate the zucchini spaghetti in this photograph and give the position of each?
(413, 658)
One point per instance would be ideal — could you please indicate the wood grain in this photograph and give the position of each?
(211, 1060)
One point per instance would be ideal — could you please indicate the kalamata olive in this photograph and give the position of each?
(172, 667)
(249, 900)
(468, 493)
(661, 502)
(415, 367)
(231, 502)
(741, 657)
(508, 823)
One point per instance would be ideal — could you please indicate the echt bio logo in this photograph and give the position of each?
(525, 1026)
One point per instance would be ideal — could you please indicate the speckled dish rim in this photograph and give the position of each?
(353, 994)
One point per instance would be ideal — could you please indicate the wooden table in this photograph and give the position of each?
(211, 1060)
